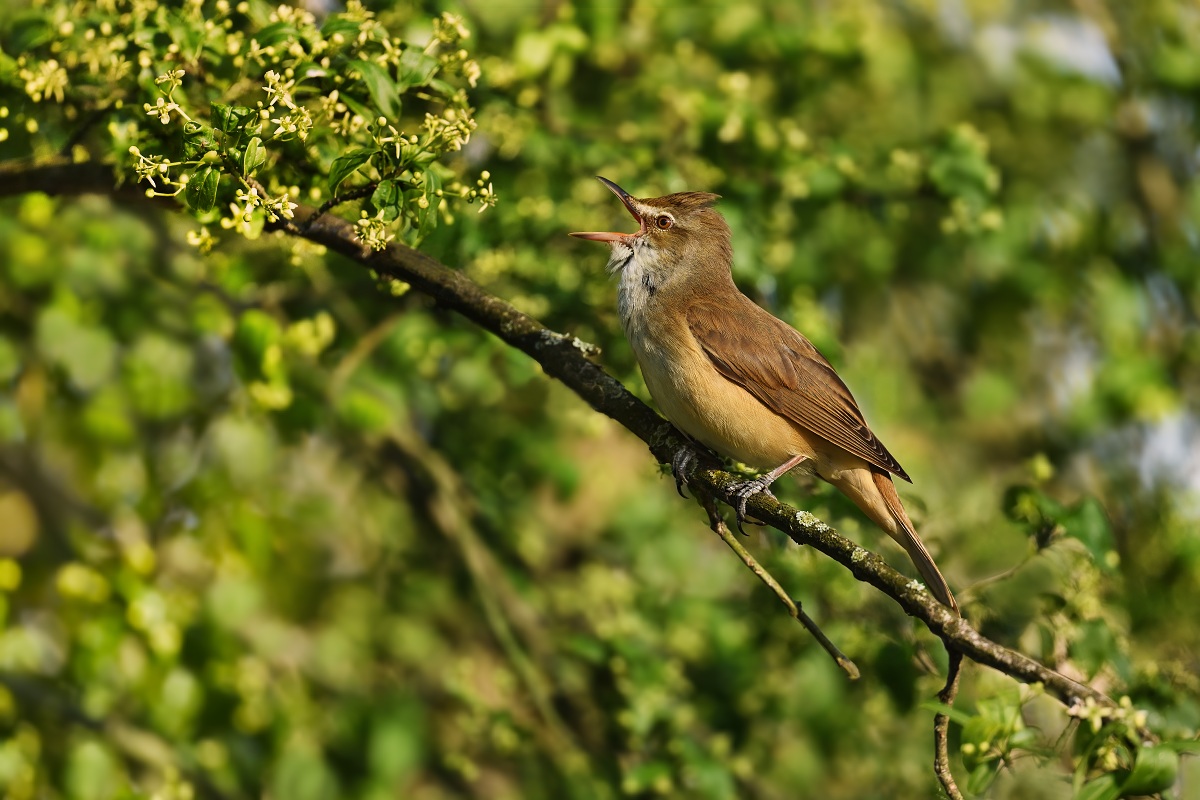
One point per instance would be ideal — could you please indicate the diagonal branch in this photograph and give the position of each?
(565, 358)
(721, 529)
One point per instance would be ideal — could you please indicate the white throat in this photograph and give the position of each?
(640, 278)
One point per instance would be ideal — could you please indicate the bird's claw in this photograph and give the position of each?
(681, 464)
(742, 494)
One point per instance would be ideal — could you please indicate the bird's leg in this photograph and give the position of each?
(760, 485)
(681, 467)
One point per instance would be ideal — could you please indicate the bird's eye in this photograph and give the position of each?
(664, 221)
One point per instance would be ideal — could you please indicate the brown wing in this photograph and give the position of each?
(772, 361)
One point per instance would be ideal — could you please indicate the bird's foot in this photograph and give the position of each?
(681, 466)
(742, 493)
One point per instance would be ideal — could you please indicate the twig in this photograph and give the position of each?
(335, 201)
(717, 523)
(974, 588)
(366, 344)
(941, 728)
(435, 486)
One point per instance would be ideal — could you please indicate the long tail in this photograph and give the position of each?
(876, 496)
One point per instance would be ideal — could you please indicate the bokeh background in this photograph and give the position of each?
(271, 529)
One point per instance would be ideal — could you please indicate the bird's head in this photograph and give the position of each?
(678, 235)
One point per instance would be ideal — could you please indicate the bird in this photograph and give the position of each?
(738, 380)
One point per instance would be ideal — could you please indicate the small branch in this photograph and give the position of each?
(435, 486)
(1004, 574)
(717, 523)
(59, 176)
(910, 595)
(941, 728)
(366, 344)
(337, 200)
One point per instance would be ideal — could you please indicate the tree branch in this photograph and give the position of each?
(721, 529)
(565, 358)
(941, 728)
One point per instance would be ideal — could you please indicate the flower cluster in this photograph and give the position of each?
(483, 192)
(242, 212)
(373, 231)
(156, 169)
(46, 80)
(1097, 715)
(319, 108)
(450, 127)
(165, 105)
(448, 33)
(293, 121)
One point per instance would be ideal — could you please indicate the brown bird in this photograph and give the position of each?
(736, 379)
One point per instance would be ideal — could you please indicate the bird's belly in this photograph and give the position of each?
(718, 413)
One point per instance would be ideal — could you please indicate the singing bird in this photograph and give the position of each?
(736, 379)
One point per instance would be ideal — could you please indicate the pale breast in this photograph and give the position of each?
(704, 404)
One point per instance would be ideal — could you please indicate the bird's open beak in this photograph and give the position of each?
(616, 237)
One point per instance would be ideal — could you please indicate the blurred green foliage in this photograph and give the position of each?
(271, 528)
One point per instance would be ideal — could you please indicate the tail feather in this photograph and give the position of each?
(906, 535)
(872, 490)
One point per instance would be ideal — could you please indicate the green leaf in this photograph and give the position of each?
(387, 193)
(364, 411)
(416, 68)
(337, 23)
(384, 91)
(254, 157)
(230, 118)
(201, 191)
(304, 776)
(1094, 646)
(982, 776)
(961, 169)
(1155, 770)
(8, 66)
(433, 185)
(644, 776)
(86, 353)
(157, 376)
(440, 86)
(1177, 64)
(220, 113)
(256, 332)
(107, 418)
(1087, 522)
(197, 139)
(10, 361)
(276, 32)
(28, 32)
(1024, 739)
(358, 108)
(1103, 788)
(397, 743)
(346, 164)
(1182, 745)
(427, 217)
(91, 771)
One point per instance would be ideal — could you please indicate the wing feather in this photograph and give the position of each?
(782, 369)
